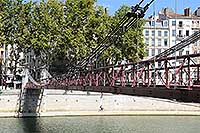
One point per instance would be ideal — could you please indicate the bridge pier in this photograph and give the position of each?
(30, 102)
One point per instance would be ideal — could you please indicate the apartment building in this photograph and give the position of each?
(156, 36)
(169, 28)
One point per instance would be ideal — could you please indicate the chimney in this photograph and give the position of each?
(165, 11)
(187, 12)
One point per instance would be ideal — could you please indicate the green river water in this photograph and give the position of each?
(102, 124)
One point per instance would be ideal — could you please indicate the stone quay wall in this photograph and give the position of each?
(71, 103)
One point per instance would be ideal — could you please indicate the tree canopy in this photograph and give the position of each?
(65, 32)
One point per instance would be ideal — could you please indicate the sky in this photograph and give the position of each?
(177, 5)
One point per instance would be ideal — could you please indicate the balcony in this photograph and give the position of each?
(195, 25)
(180, 26)
(180, 37)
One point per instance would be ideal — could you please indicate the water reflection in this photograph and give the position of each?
(102, 124)
(30, 125)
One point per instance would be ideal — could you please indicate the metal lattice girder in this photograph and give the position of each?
(128, 75)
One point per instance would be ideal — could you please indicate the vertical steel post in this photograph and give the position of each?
(148, 73)
(122, 76)
(166, 74)
(189, 78)
(145, 74)
(90, 78)
(104, 77)
(198, 74)
(133, 76)
(181, 77)
(136, 77)
(113, 77)
(97, 79)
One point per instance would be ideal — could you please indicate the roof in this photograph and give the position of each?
(175, 15)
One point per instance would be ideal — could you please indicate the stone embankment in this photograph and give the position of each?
(70, 103)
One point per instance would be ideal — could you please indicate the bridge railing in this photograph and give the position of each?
(162, 72)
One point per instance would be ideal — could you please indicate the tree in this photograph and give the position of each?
(130, 45)
(49, 38)
(62, 34)
(89, 26)
(14, 30)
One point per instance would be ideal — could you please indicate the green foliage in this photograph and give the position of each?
(66, 31)
(130, 46)
(14, 29)
(47, 28)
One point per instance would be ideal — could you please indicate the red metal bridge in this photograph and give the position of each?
(156, 77)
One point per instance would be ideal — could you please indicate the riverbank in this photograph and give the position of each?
(105, 113)
(77, 103)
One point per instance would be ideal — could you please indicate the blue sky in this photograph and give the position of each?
(113, 5)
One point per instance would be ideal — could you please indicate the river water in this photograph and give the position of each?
(102, 124)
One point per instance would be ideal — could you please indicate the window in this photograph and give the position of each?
(165, 33)
(159, 42)
(147, 41)
(165, 42)
(180, 52)
(180, 24)
(165, 23)
(147, 51)
(173, 23)
(153, 23)
(159, 51)
(153, 33)
(173, 32)
(173, 42)
(153, 52)
(187, 32)
(180, 33)
(187, 52)
(159, 33)
(146, 33)
(153, 42)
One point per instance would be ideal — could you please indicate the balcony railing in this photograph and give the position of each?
(180, 37)
(195, 25)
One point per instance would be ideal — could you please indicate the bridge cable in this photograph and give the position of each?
(130, 20)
